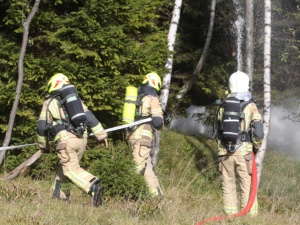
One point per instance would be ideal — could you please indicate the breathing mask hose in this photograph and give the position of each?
(251, 200)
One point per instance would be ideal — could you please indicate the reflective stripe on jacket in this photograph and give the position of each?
(53, 114)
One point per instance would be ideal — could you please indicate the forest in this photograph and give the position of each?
(105, 46)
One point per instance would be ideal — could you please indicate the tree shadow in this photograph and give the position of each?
(206, 155)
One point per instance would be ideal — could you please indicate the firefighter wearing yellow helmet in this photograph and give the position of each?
(140, 139)
(240, 133)
(55, 124)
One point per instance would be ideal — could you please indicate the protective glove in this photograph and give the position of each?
(104, 143)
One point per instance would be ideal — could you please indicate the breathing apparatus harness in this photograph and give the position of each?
(228, 130)
(256, 132)
(75, 118)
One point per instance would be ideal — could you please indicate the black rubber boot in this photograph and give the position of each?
(56, 191)
(96, 192)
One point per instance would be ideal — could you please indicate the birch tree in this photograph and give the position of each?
(12, 116)
(167, 78)
(249, 40)
(188, 85)
(267, 87)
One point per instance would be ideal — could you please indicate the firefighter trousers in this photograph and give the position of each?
(70, 152)
(236, 169)
(144, 166)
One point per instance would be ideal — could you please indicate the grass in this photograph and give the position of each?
(192, 188)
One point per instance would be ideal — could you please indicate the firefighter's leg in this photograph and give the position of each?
(68, 152)
(139, 161)
(228, 185)
(244, 170)
(141, 156)
(61, 186)
(149, 174)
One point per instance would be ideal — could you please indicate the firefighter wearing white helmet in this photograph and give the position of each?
(240, 132)
(140, 138)
(239, 82)
(55, 124)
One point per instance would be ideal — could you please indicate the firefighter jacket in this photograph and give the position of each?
(52, 114)
(251, 114)
(150, 107)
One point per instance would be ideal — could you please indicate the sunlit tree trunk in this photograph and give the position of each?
(187, 86)
(249, 40)
(267, 87)
(12, 116)
(167, 78)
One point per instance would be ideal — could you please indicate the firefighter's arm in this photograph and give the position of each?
(157, 122)
(42, 129)
(96, 127)
(257, 129)
(217, 122)
(156, 113)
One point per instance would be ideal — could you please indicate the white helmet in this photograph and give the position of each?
(239, 82)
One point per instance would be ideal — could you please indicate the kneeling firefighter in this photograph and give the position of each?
(240, 131)
(140, 138)
(64, 119)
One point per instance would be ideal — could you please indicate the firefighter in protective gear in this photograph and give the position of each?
(237, 165)
(69, 147)
(140, 139)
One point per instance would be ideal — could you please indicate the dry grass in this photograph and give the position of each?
(192, 193)
(28, 202)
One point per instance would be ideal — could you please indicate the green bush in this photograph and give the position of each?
(115, 168)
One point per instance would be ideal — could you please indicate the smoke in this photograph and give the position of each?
(191, 124)
(284, 133)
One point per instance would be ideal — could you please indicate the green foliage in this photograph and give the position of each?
(114, 167)
(116, 170)
(103, 46)
(220, 61)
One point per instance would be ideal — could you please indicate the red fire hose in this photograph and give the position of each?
(250, 201)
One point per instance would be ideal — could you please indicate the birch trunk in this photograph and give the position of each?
(187, 86)
(249, 40)
(12, 116)
(267, 88)
(167, 78)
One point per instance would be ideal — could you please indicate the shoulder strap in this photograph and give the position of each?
(244, 104)
(139, 99)
(51, 97)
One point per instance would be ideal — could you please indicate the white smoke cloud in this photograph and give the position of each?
(284, 133)
(190, 124)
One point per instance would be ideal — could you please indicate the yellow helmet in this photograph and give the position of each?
(152, 80)
(57, 81)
